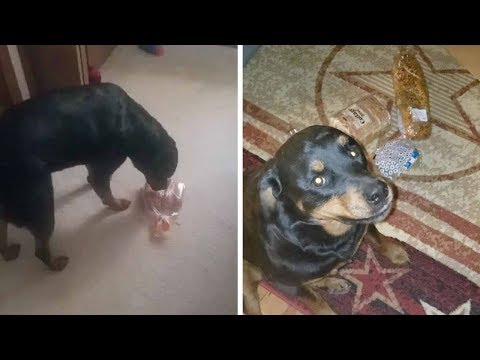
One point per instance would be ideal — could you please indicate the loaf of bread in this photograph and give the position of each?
(411, 95)
(366, 121)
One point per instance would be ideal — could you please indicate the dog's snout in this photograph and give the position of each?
(157, 185)
(377, 192)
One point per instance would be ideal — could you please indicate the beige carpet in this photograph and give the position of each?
(114, 266)
(438, 209)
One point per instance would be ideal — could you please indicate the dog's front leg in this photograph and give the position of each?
(251, 278)
(388, 247)
(332, 284)
(102, 189)
(99, 175)
(9, 252)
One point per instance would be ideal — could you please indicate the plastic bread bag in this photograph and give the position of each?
(411, 95)
(162, 206)
(366, 120)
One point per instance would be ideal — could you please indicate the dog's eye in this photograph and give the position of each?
(318, 181)
(353, 153)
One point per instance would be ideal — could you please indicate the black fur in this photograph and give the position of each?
(96, 125)
(285, 241)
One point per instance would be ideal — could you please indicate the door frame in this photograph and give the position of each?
(12, 69)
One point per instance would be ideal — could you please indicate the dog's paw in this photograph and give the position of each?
(120, 204)
(59, 263)
(337, 286)
(396, 254)
(11, 252)
(331, 284)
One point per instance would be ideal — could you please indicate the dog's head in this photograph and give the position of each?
(159, 165)
(325, 173)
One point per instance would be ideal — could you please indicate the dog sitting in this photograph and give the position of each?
(305, 214)
(96, 125)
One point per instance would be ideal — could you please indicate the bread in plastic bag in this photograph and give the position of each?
(162, 206)
(411, 95)
(367, 120)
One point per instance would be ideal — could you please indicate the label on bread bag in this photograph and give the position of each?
(419, 114)
(360, 117)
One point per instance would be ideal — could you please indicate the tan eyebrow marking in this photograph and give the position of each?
(317, 165)
(342, 140)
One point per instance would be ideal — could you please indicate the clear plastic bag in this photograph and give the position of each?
(162, 206)
(411, 95)
(366, 120)
(396, 157)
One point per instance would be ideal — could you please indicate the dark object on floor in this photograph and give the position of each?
(95, 125)
(157, 50)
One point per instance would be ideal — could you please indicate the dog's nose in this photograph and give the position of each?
(377, 192)
(157, 185)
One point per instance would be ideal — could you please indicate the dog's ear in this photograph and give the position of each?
(269, 187)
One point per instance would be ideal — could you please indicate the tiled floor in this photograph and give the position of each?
(271, 304)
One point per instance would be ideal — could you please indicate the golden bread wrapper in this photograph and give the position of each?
(411, 96)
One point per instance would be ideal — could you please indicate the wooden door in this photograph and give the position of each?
(98, 54)
(48, 67)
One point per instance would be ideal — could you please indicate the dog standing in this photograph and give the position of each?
(305, 214)
(96, 125)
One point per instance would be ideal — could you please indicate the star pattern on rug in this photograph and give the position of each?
(463, 309)
(373, 282)
(445, 87)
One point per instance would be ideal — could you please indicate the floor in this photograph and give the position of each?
(271, 304)
(115, 267)
(469, 57)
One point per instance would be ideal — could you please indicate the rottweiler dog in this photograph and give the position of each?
(95, 125)
(305, 214)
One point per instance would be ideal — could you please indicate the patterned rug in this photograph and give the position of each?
(438, 212)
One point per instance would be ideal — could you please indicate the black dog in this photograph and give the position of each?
(97, 126)
(306, 211)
